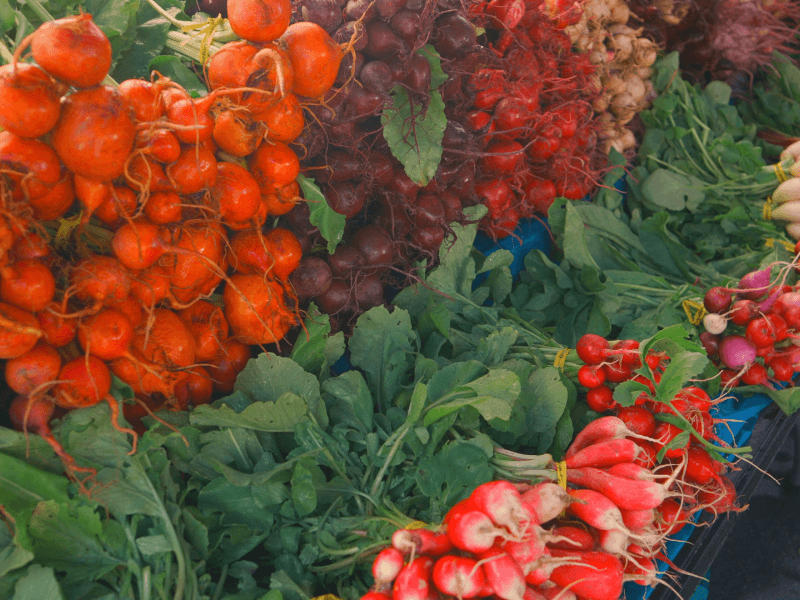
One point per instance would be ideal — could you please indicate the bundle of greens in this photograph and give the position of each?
(699, 162)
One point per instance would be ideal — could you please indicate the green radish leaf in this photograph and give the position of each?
(330, 223)
(627, 392)
(788, 399)
(282, 415)
(173, 67)
(351, 402)
(14, 552)
(679, 441)
(39, 582)
(316, 350)
(682, 368)
(304, 497)
(418, 398)
(671, 190)
(414, 133)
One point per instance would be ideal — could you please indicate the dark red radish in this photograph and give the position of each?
(601, 399)
(592, 349)
(638, 419)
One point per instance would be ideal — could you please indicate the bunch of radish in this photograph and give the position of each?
(606, 525)
(532, 108)
(750, 329)
(172, 272)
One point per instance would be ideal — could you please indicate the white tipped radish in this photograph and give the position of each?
(715, 324)
(387, 566)
(788, 191)
(545, 501)
(414, 581)
(789, 211)
(638, 519)
(605, 453)
(603, 428)
(473, 531)
(793, 230)
(459, 576)
(595, 576)
(421, 541)
(501, 501)
(551, 591)
(595, 509)
(630, 494)
(527, 551)
(503, 574)
(613, 541)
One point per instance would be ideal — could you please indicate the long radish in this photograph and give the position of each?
(595, 576)
(609, 427)
(503, 574)
(604, 454)
(545, 501)
(626, 493)
(595, 509)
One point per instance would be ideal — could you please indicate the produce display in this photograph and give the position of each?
(251, 351)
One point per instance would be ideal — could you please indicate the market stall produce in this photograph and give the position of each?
(263, 337)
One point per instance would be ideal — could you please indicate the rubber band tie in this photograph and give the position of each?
(206, 29)
(770, 243)
(417, 525)
(766, 211)
(561, 473)
(326, 597)
(65, 229)
(561, 359)
(694, 311)
(780, 173)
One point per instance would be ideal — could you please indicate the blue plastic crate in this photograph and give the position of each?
(530, 234)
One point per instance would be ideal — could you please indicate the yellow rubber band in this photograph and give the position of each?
(326, 597)
(561, 472)
(780, 173)
(766, 211)
(561, 359)
(417, 525)
(206, 29)
(694, 310)
(770, 243)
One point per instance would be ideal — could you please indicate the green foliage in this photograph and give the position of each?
(330, 223)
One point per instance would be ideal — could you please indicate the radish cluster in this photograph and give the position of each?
(606, 525)
(750, 330)
(163, 270)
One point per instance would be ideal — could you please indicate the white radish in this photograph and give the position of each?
(788, 191)
(715, 324)
(789, 211)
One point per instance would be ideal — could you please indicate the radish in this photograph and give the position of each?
(754, 284)
(717, 299)
(545, 501)
(387, 566)
(592, 349)
(631, 471)
(595, 576)
(609, 427)
(736, 351)
(459, 576)
(715, 324)
(421, 541)
(503, 574)
(626, 493)
(604, 454)
(719, 497)
(596, 510)
(551, 591)
(473, 531)
(613, 541)
(414, 580)
(570, 537)
(501, 501)
(528, 550)
(638, 419)
(638, 519)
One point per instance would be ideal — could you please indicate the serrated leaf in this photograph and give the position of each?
(414, 133)
(328, 221)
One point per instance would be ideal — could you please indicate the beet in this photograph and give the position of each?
(388, 8)
(381, 168)
(382, 41)
(346, 261)
(376, 246)
(346, 32)
(312, 277)
(346, 69)
(418, 74)
(403, 187)
(335, 298)
(429, 211)
(363, 103)
(363, 10)
(368, 292)
(406, 24)
(377, 77)
(344, 165)
(453, 35)
(427, 238)
(325, 13)
(345, 198)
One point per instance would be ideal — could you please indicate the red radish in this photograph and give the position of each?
(73, 49)
(717, 497)
(626, 493)
(642, 571)
(670, 517)
(421, 541)
(503, 574)
(551, 591)
(596, 509)
(755, 284)
(460, 508)
(601, 399)
(459, 576)
(592, 349)
(604, 454)
(638, 419)
(637, 519)
(664, 434)
(501, 501)
(571, 537)
(545, 501)
(595, 576)
(718, 299)
(19, 331)
(376, 596)
(609, 427)
(387, 565)
(35, 371)
(591, 376)
(473, 531)
(414, 581)
(527, 550)
(631, 471)
(743, 311)
(612, 541)
(29, 101)
(95, 133)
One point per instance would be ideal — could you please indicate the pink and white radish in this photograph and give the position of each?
(459, 576)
